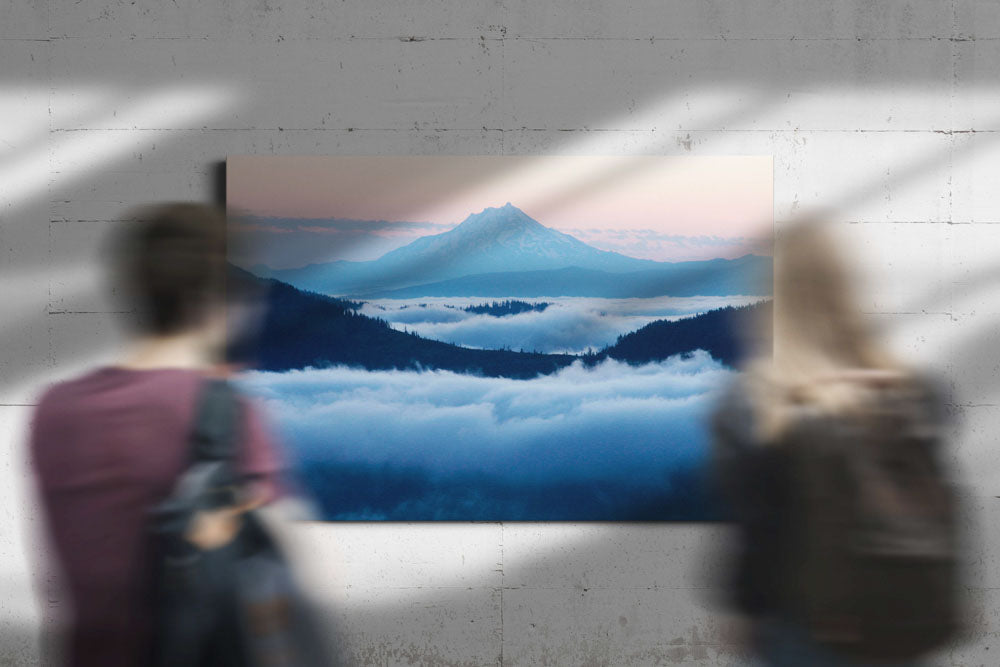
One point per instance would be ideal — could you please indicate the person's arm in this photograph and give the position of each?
(750, 476)
(258, 461)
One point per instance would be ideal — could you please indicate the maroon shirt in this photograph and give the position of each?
(106, 447)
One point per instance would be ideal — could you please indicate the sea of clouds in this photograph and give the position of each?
(625, 429)
(568, 325)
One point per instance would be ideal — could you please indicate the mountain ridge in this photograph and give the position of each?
(302, 329)
(747, 275)
(494, 239)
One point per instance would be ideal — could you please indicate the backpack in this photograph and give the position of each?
(873, 567)
(232, 606)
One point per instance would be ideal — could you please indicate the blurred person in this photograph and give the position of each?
(109, 445)
(828, 455)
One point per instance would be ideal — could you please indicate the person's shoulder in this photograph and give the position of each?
(736, 398)
(930, 386)
(61, 404)
(733, 415)
(60, 391)
(108, 383)
(929, 396)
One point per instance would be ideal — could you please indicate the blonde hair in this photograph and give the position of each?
(821, 340)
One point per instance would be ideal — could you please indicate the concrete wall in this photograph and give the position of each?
(887, 113)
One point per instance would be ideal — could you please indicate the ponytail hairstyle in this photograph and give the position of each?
(821, 339)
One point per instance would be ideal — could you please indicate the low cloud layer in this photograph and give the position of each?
(568, 325)
(613, 425)
(657, 245)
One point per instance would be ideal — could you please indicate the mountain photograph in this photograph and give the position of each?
(544, 357)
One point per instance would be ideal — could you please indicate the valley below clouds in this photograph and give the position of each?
(600, 443)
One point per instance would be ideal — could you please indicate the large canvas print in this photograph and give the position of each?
(501, 338)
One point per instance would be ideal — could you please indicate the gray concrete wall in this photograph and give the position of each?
(885, 112)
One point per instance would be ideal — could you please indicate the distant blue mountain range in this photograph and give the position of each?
(750, 274)
(503, 252)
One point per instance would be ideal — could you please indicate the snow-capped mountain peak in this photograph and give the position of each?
(506, 218)
(496, 239)
(504, 238)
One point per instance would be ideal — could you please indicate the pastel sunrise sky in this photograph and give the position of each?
(667, 208)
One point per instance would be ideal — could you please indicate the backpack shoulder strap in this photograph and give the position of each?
(214, 434)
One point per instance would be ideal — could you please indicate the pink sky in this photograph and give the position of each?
(675, 208)
(721, 196)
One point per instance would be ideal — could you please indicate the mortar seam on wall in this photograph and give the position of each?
(953, 49)
(474, 38)
(503, 72)
(949, 132)
(501, 595)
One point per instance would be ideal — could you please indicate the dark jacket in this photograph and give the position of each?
(754, 480)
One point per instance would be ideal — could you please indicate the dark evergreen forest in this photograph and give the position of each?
(507, 307)
(304, 329)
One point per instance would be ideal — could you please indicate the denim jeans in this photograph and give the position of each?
(783, 643)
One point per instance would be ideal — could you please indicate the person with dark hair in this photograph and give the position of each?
(109, 445)
(172, 264)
